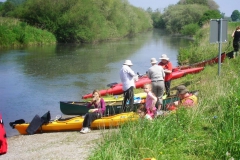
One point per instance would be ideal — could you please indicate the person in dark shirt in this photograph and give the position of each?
(236, 40)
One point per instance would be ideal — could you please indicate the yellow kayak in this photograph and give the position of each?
(120, 97)
(137, 96)
(75, 123)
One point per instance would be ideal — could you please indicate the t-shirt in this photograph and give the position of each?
(168, 66)
(236, 36)
(156, 73)
(127, 77)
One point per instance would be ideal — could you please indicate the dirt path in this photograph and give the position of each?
(52, 146)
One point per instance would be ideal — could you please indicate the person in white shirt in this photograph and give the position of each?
(127, 77)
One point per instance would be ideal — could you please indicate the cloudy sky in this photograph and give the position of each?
(225, 6)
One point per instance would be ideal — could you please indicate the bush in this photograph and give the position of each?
(190, 29)
(16, 33)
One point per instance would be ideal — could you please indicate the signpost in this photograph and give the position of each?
(218, 34)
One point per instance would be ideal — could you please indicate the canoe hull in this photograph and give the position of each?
(203, 63)
(117, 89)
(80, 108)
(75, 124)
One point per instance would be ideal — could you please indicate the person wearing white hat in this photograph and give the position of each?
(167, 66)
(156, 74)
(127, 77)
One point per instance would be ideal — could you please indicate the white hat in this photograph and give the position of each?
(153, 60)
(128, 62)
(164, 56)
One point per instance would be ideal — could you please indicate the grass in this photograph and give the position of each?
(211, 130)
(16, 33)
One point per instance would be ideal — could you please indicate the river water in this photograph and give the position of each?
(34, 79)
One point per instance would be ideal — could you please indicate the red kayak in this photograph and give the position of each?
(117, 88)
(203, 63)
(3, 138)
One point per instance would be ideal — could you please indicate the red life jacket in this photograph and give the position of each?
(3, 138)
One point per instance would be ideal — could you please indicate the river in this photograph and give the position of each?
(34, 79)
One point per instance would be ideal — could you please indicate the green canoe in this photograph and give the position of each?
(80, 108)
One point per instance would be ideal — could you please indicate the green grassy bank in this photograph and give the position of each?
(16, 33)
(211, 130)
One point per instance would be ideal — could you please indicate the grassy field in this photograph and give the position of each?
(211, 130)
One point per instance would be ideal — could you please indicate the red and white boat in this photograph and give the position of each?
(117, 88)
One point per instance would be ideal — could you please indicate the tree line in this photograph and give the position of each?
(83, 21)
(80, 20)
(188, 16)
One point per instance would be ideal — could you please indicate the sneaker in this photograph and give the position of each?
(85, 130)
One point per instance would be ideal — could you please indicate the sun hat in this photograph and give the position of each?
(128, 62)
(164, 56)
(153, 60)
(182, 89)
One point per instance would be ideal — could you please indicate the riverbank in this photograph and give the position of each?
(59, 145)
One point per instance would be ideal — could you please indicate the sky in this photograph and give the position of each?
(225, 6)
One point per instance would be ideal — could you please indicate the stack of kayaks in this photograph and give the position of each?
(117, 88)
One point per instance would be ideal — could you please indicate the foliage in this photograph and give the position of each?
(7, 8)
(201, 46)
(16, 33)
(210, 14)
(156, 17)
(212, 5)
(235, 15)
(177, 16)
(190, 29)
(85, 20)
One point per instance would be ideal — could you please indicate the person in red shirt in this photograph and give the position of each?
(167, 66)
(186, 99)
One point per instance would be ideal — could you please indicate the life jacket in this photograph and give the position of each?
(3, 138)
(192, 97)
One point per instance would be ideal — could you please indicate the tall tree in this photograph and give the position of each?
(235, 15)
(210, 3)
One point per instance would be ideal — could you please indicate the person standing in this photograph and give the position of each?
(236, 40)
(167, 66)
(93, 114)
(156, 74)
(151, 100)
(127, 77)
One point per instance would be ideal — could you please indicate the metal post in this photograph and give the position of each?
(220, 46)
